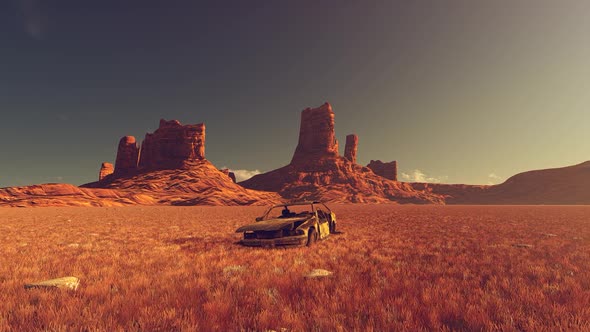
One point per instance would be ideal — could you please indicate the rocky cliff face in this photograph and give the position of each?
(106, 169)
(127, 157)
(172, 170)
(316, 135)
(352, 142)
(172, 145)
(317, 172)
(386, 170)
(231, 175)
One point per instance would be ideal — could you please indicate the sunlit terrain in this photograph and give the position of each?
(394, 268)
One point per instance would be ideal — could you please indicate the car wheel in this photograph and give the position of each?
(312, 237)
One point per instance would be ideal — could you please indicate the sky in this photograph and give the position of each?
(455, 91)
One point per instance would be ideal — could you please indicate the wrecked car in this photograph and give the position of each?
(293, 224)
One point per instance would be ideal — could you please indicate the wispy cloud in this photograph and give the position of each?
(419, 176)
(493, 178)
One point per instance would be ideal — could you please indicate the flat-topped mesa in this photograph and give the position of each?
(106, 169)
(386, 170)
(127, 157)
(172, 145)
(352, 142)
(316, 135)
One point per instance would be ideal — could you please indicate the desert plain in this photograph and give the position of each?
(394, 267)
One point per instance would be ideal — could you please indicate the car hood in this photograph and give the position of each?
(270, 225)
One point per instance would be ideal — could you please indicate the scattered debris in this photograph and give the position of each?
(65, 282)
(550, 235)
(319, 273)
(522, 245)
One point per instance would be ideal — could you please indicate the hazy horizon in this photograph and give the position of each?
(456, 92)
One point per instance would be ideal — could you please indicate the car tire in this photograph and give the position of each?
(312, 237)
(332, 227)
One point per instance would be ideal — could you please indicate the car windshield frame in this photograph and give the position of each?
(287, 205)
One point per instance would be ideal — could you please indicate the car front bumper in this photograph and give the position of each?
(298, 240)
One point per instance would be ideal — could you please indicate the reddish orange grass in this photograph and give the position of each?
(395, 268)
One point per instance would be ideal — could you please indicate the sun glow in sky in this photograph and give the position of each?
(456, 91)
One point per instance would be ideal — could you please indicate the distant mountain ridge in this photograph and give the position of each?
(555, 186)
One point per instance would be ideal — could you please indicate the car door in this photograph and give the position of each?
(323, 222)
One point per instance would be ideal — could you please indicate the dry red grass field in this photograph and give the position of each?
(394, 268)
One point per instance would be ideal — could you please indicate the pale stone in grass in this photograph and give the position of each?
(318, 273)
(65, 283)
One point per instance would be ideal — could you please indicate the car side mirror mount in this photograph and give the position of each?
(258, 218)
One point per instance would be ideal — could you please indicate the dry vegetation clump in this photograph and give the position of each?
(394, 268)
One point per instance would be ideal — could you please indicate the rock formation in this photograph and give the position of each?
(172, 171)
(317, 172)
(352, 142)
(231, 175)
(127, 157)
(172, 145)
(386, 170)
(106, 169)
(316, 135)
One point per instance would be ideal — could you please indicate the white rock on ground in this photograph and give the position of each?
(318, 273)
(65, 282)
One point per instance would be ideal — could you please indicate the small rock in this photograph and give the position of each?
(319, 273)
(550, 235)
(65, 282)
(522, 245)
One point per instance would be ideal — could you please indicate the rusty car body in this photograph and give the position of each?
(315, 222)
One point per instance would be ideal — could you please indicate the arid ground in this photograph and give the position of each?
(394, 268)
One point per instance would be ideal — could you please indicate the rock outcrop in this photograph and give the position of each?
(127, 157)
(231, 175)
(172, 145)
(198, 183)
(352, 142)
(386, 170)
(173, 170)
(317, 172)
(316, 135)
(106, 169)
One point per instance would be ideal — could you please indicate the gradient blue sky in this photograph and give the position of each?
(456, 91)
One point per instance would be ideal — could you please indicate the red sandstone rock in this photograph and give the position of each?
(316, 135)
(173, 171)
(316, 172)
(231, 175)
(106, 169)
(172, 145)
(352, 142)
(386, 170)
(197, 183)
(127, 157)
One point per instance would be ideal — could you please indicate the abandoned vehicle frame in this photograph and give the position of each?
(290, 228)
